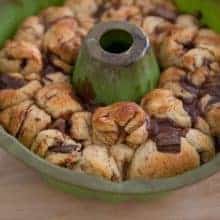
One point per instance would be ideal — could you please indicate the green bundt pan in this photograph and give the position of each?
(12, 13)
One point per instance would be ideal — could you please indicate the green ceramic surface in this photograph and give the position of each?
(78, 184)
(104, 75)
(208, 10)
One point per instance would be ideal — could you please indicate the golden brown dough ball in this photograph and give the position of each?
(57, 148)
(20, 57)
(58, 100)
(162, 104)
(123, 122)
(32, 31)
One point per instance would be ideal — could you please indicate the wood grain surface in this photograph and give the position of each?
(23, 195)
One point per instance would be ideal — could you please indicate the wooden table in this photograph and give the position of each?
(23, 195)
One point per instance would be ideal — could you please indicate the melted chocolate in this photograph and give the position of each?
(100, 11)
(217, 144)
(10, 82)
(211, 87)
(60, 124)
(193, 109)
(64, 148)
(188, 86)
(166, 135)
(49, 67)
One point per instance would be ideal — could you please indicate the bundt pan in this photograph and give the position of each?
(12, 12)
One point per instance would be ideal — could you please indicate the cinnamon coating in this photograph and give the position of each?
(62, 43)
(162, 104)
(123, 122)
(175, 45)
(32, 31)
(21, 91)
(24, 120)
(161, 8)
(57, 148)
(157, 29)
(58, 100)
(20, 57)
(210, 40)
(85, 7)
(54, 14)
(124, 13)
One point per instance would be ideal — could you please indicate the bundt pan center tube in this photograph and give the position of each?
(116, 63)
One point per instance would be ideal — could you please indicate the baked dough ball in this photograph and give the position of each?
(57, 100)
(161, 104)
(157, 29)
(12, 118)
(149, 163)
(201, 64)
(175, 45)
(179, 82)
(210, 104)
(85, 7)
(55, 77)
(123, 122)
(24, 120)
(187, 21)
(20, 57)
(203, 143)
(14, 89)
(176, 80)
(161, 8)
(62, 43)
(31, 30)
(124, 13)
(81, 126)
(122, 155)
(53, 14)
(97, 161)
(210, 40)
(57, 148)
(35, 121)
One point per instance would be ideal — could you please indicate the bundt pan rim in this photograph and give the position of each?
(98, 184)
(81, 184)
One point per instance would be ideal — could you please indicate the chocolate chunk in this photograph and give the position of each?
(166, 135)
(188, 86)
(49, 67)
(217, 144)
(188, 45)
(192, 108)
(59, 124)
(169, 149)
(214, 100)
(10, 82)
(65, 149)
(212, 88)
(100, 11)
(24, 63)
